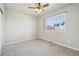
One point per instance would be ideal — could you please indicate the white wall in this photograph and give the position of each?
(1, 19)
(68, 38)
(0, 31)
(19, 26)
(3, 26)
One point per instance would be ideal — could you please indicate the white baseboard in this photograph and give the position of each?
(46, 40)
(61, 44)
(19, 41)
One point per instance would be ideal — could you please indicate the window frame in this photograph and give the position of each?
(58, 14)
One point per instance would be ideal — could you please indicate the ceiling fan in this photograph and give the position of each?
(39, 7)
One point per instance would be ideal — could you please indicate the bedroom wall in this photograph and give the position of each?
(0, 30)
(70, 37)
(19, 26)
(1, 26)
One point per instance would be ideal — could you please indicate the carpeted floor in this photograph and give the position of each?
(37, 47)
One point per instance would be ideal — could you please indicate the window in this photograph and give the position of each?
(55, 22)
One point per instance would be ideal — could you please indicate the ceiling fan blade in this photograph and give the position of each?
(31, 7)
(46, 5)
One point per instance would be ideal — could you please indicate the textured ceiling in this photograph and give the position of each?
(23, 7)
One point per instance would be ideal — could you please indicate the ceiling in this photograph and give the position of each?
(23, 7)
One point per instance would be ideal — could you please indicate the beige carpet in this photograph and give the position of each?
(37, 47)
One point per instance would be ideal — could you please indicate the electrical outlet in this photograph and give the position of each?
(69, 41)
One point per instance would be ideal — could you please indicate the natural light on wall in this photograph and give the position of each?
(56, 22)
